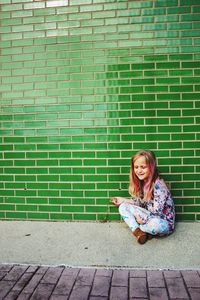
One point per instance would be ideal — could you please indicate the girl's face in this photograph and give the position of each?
(141, 168)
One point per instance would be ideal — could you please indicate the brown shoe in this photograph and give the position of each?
(149, 236)
(140, 235)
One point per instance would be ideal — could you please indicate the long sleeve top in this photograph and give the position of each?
(161, 205)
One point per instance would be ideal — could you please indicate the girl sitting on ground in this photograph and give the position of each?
(150, 212)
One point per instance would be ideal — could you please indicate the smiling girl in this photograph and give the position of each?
(151, 211)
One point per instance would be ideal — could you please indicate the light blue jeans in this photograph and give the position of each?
(152, 224)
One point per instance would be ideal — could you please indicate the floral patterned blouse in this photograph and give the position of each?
(161, 205)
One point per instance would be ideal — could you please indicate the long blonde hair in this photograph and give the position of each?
(137, 187)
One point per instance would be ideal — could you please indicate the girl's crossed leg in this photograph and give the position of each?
(138, 217)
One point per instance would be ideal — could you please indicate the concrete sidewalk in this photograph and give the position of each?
(90, 244)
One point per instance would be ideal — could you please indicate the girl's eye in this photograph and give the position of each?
(142, 167)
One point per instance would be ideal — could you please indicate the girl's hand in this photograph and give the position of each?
(117, 200)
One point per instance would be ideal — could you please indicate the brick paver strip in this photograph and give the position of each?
(97, 298)
(5, 288)
(57, 297)
(2, 274)
(43, 292)
(158, 293)
(176, 288)
(137, 273)
(155, 279)
(172, 274)
(52, 275)
(42, 270)
(22, 282)
(194, 293)
(118, 293)
(12, 295)
(33, 283)
(120, 278)
(101, 286)
(104, 272)
(73, 272)
(5, 268)
(63, 283)
(23, 296)
(32, 269)
(80, 292)
(85, 277)
(138, 288)
(15, 273)
(191, 278)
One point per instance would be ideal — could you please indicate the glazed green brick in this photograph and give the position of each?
(182, 153)
(48, 193)
(73, 208)
(168, 65)
(190, 64)
(181, 120)
(179, 10)
(191, 144)
(6, 207)
(189, 48)
(26, 208)
(193, 112)
(36, 186)
(74, 162)
(14, 170)
(186, 162)
(19, 163)
(72, 193)
(7, 178)
(48, 178)
(57, 170)
(48, 208)
(182, 104)
(171, 96)
(60, 201)
(5, 162)
(108, 217)
(60, 216)
(25, 178)
(91, 217)
(88, 201)
(57, 186)
(15, 200)
(95, 178)
(11, 7)
(147, 81)
(59, 154)
(36, 170)
(192, 193)
(16, 215)
(6, 147)
(48, 147)
(16, 155)
(172, 145)
(168, 81)
(82, 90)
(96, 209)
(37, 216)
(157, 137)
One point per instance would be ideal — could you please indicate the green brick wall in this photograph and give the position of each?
(85, 84)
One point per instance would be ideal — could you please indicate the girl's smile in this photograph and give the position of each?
(141, 168)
